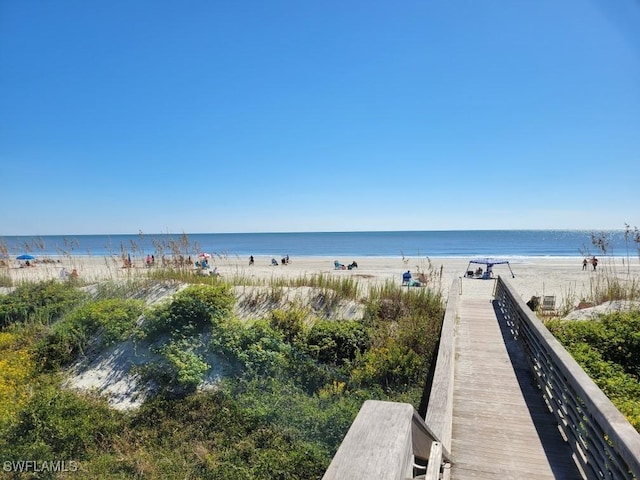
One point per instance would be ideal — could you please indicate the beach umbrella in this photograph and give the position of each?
(205, 255)
(25, 256)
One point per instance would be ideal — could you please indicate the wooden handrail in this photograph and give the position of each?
(383, 441)
(439, 415)
(604, 443)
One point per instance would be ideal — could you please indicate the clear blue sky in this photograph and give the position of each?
(192, 116)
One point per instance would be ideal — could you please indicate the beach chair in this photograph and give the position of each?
(548, 304)
(337, 265)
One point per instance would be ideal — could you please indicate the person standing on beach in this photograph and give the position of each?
(594, 262)
(584, 264)
(251, 260)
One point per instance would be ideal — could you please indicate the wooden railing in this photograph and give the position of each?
(387, 440)
(604, 443)
(439, 416)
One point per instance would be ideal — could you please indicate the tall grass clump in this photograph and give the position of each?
(608, 284)
(6, 281)
(344, 288)
(127, 288)
(405, 326)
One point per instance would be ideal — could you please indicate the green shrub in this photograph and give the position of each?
(212, 435)
(615, 336)
(391, 367)
(42, 302)
(256, 348)
(112, 319)
(59, 424)
(290, 322)
(186, 367)
(190, 310)
(336, 342)
(607, 349)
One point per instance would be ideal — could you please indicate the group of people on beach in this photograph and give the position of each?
(408, 280)
(593, 261)
(274, 262)
(64, 273)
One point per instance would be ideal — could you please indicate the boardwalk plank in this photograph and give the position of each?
(501, 427)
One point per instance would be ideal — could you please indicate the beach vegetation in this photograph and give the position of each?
(16, 371)
(189, 310)
(5, 279)
(41, 302)
(336, 343)
(59, 424)
(608, 284)
(98, 324)
(185, 367)
(608, 349)
(292, 384)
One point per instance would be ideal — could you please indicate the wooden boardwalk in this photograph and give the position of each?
(502, 428)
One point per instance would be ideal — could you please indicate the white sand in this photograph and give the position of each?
(559, 276)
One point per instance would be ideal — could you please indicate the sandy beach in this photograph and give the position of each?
(563, 277)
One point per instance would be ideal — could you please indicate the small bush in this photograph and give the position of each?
(290, 322)
(257, 348)
(42, 302)
(607, 349)
(186, 367)
(336, 342)
(190, 310)
(58, 424)
(113, 320)
(391, 367)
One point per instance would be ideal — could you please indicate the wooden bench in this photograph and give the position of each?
(548, 306)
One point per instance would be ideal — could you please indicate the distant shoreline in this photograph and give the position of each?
(434, 244)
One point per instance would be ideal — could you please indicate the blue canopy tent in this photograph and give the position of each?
(489, 262)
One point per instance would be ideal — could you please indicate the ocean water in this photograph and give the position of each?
(459, 243)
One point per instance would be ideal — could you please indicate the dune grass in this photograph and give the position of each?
(293, 389)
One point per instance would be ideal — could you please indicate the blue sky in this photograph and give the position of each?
(264, 116)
